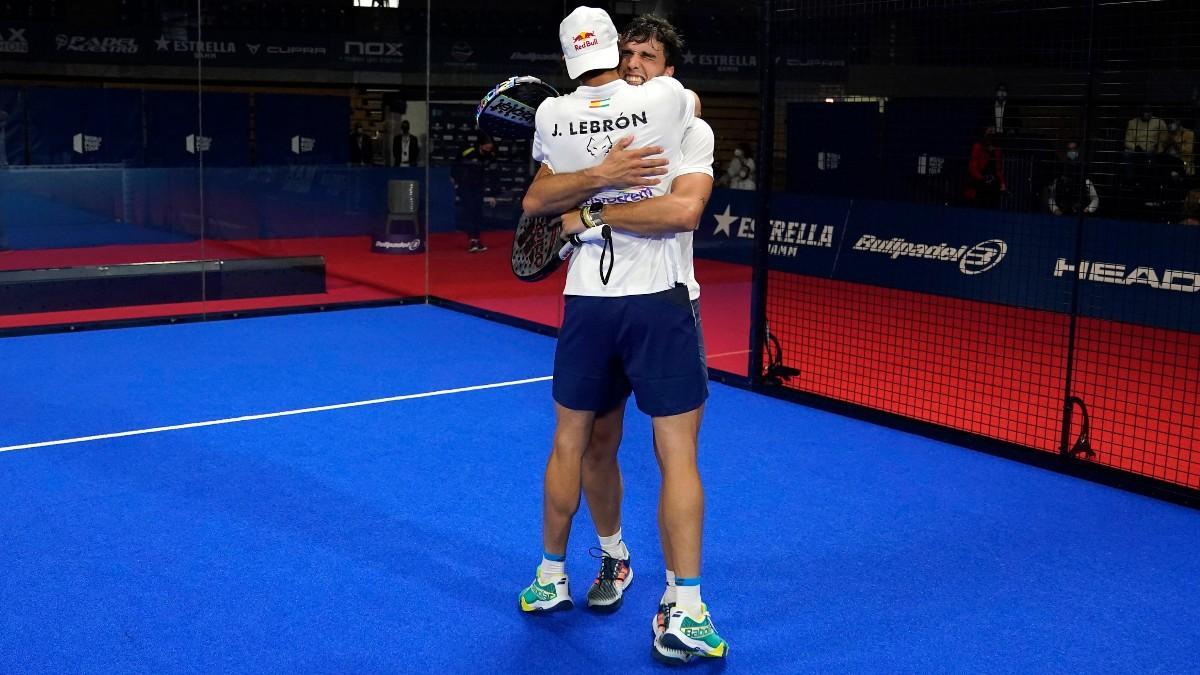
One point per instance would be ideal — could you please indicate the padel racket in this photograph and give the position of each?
(508, 109)
(539, 247)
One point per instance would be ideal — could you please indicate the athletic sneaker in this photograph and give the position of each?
(476, 246)
(608, 590)
(660, 653)
(693, 634)
(549, 597)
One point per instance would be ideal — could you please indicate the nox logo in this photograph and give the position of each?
(195, 143)
(301, 145)
(394, 49)
(14, 42)
(1116, 273)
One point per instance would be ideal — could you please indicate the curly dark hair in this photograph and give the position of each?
(647, 26)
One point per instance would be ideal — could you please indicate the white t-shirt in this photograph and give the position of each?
(575, 132)
(697, 158)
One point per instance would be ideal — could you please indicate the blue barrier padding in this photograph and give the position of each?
(64, 207)
(174, 136)
(84, 126)
(296, 129)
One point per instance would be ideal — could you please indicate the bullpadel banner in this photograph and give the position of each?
(1143, 273)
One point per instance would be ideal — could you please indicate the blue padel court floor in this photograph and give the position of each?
(394, 534)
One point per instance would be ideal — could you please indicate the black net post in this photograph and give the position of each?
(762, 215)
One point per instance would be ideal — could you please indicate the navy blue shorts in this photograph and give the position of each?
(646, 344)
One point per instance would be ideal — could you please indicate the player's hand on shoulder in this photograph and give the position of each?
(625, 166)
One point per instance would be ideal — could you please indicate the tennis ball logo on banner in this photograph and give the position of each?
(83, 144)
(302, 145)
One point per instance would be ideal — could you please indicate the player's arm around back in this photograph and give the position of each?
(624, 167)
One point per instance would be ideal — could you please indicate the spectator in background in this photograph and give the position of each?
(405, 149)
(744, 180)
(1184, 141)
(999, 106)
(1064, 195)
(1141, 141)
(472, 177)
(1191, 209)
(740, 168)
(1168, 184)
(362, 147)
(985, 172)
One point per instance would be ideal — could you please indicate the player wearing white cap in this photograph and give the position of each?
(634, 330)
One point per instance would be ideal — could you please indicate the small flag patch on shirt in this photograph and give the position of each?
(602, 103)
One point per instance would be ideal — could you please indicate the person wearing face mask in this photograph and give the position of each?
(744, 180)
(739, 170)
(1063, 195)
(1183, 140)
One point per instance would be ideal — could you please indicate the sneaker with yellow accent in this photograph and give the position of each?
(693, 634)
(551, 596)
(660, 653)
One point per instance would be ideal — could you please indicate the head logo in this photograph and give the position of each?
(982, 256)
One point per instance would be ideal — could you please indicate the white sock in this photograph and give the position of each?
(614, 546)
(668, 596)
(687, 596)
(551, 568)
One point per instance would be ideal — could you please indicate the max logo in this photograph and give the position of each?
(584, 40)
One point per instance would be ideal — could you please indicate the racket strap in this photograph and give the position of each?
(609, 254)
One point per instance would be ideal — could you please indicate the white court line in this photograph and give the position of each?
(717, 356)
(285, 413)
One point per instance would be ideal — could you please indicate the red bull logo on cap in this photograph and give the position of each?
(584, 40)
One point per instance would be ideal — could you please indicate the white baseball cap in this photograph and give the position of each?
(589, 41)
